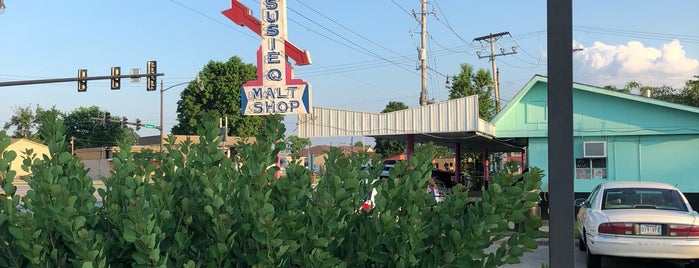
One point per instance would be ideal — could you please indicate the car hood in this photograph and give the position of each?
(651, 216)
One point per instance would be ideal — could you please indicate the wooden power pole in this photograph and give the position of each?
(492, 38)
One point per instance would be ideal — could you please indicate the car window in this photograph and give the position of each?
(591, 197)
(643, 198)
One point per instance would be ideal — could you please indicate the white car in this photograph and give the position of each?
(637, 219)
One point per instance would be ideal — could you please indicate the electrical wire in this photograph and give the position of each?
(352, 42)
(694, 39)
(448, 26)
(215, 20)
(404, 10)
(348, 29)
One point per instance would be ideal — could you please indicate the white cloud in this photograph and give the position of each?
(602, 64)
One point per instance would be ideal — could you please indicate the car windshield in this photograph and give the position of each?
(643, 198)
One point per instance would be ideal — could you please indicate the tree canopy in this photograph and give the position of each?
(386, 147)
(688, 95)
(87, 126)
(23, 121)
(219, 95)
(468, 83)
(296, 144)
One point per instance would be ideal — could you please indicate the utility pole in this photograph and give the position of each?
(223, 132)
(423, 51)
(492, 38)
(72, 145)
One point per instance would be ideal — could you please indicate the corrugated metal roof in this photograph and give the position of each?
(458, 115)
(446, 123)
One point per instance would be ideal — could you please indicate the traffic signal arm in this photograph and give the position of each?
(71, 79)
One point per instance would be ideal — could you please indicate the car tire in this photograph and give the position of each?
(581, 244)
(592, 260)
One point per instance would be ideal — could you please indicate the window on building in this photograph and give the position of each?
(591, 168)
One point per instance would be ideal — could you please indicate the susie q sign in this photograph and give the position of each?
(275, 91)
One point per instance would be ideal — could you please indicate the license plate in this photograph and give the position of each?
(650, 229)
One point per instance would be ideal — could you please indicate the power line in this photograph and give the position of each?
(404, 10)
(350, 41)
(649, 35)
(215, 20)
(348, 29)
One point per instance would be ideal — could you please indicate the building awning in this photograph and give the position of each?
(446, 123)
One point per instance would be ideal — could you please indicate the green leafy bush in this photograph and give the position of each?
(196, 208)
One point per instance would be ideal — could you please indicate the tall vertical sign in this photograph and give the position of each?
(275, 91)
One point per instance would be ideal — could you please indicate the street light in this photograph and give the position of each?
(162, 90)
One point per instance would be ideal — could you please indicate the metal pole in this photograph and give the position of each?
(559, 18)
(162, 90)
(423, 53)
(70, 79)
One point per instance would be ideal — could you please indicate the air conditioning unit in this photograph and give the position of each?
(595, 149)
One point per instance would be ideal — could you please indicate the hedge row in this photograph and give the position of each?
(196, 208)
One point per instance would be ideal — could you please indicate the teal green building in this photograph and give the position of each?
(617, 136)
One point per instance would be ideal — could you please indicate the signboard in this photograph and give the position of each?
(269, 96)
(275, 91)
(149, 126)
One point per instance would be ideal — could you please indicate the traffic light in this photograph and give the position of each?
(138, 124)
(107, 118)
(82, 83)
(152, 70)
(116, 80)
(124, 121)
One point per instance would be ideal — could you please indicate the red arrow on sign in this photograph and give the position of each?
(242, 16)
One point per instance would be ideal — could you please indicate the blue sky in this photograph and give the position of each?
(364, 52)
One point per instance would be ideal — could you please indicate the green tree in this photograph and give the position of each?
(86, 124)
(41, 114)
(26, 121)
(23, 121)
(386, 147)
(220, 96)
(466, 83)
(442, 152)
(296, 144)
(689, 95)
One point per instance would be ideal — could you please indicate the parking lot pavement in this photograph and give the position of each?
(541, 256)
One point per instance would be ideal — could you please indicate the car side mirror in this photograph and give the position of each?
(579, 202)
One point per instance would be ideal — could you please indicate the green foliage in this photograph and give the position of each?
(689, 95)
(466, 83)
(89, 132)
(386, 147)
(196, 208)
(219, 94)
(60, 227)
(442, 152)
(297, 144)
(25, 121)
